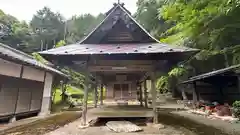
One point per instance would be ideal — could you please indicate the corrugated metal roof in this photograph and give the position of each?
(213, 73)
(22, 57)
(79, 49)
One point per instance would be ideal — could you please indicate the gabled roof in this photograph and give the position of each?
(118, 27)
(118, 34)
(12, 54)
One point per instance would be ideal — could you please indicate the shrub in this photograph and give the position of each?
(236, 109)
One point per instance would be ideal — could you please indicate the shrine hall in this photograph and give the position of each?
(119, 55)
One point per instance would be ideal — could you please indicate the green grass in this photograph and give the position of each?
(70, 89)
(58, 105)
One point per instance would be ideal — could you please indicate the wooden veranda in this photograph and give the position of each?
(119, 55)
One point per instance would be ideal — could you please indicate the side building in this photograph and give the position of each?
(25, 84)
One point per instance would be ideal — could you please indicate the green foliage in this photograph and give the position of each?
(163, 84)
(77, 79)
(147, 15)
(79, 26)
(60, 43)
(177, 72)
(46, 30)
(39, 58)
(236, 109)
(236, 104)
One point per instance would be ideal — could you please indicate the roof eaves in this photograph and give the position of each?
(209, 74)
(29, 60)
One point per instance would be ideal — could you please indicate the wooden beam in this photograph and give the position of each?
(128, 68)
(154, 97)
(145, 94)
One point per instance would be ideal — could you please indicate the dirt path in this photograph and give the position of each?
(73, 129)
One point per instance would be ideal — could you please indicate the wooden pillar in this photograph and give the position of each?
(140, 94)
(84, 112)
(154, 96)
(238, 79)
(101, 94)
(96, 95)
(195, 95)
(145, 94)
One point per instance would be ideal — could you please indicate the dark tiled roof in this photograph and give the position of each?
(80, 49)
(213, 73)
(16, 55)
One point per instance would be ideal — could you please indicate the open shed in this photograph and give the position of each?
(221, 85)
(25, 84)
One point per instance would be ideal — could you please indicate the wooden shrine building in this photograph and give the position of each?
(120, 54)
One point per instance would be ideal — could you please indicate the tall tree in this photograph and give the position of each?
(48, 28)
(148, 15)
(79, 26)
(13, 32)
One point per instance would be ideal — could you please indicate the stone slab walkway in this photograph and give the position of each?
(73, 129)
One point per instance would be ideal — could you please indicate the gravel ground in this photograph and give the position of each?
(73, 129)
(231, 128)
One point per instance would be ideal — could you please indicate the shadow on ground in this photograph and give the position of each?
(43, 126)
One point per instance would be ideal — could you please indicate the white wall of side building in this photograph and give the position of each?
(8, 68)
(30, 73)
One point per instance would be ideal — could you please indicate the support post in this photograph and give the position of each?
(153, 95)
(238, 79)
(101, 94)
(84, 112)
(95, 95)
(195, 95)
(145, 94)
(140, 94)
(47, 91)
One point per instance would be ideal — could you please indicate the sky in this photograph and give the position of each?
(24, 9)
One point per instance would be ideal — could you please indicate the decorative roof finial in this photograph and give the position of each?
(118, 1)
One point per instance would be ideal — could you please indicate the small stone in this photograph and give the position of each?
(83, 126)
(159, 126)
(149, 124)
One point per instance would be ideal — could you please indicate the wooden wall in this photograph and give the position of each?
(21, 88)
(19, 95)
